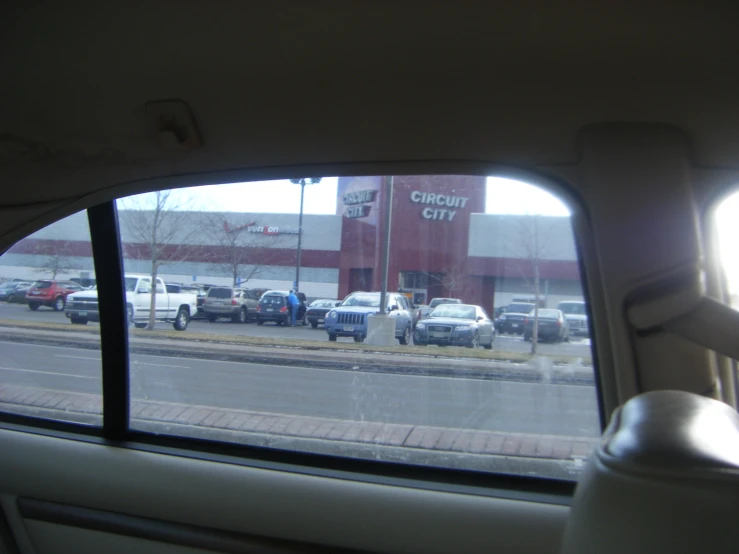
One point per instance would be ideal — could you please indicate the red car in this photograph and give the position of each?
(50, 293)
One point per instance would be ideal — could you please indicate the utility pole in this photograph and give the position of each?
(386, 243)
(302, 183)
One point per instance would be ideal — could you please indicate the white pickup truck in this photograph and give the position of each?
(170, 307)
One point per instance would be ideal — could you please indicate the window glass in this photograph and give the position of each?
(50, 356)
(219, 293)
(500, 396)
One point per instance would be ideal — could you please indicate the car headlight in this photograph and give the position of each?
(463, 328)
(420, 325)
(331, 314)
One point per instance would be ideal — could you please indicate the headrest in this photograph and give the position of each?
(665, 478)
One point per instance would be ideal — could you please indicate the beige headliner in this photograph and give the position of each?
(274, 84)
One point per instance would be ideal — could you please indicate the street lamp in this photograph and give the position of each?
(302, 183)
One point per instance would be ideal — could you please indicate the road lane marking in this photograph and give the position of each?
(134, 362)
(77, 358)
(161, 365)
(47, 372)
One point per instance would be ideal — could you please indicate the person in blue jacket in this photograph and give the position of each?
(292, 299)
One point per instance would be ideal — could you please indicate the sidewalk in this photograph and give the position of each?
(203, 420)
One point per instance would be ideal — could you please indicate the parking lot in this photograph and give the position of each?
(505, 343)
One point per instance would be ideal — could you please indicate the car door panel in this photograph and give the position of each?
(254, 503)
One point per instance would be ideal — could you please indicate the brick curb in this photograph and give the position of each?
(70, 406)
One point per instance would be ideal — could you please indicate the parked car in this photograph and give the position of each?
(349, 319)
(85, 282)
(14, 291)
(576, 313)
(456, 325)
(512, 320)
(552, 326)
(50, 293)
(239, 304)
(426, 310)
(173, 308)
(273, 306)
(316, 312)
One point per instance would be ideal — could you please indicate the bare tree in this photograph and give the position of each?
(160, 228)
(450, 278)
(57, 259)
(236, 247)
(534, 240)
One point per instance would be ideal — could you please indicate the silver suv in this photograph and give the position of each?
(237, 303)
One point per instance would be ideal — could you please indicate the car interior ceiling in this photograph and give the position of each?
(627, 113)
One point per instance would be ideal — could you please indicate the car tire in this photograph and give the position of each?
(140, 325)
(260, 321)
(10, 299)
(129, 315)
(78, 320)
(181, 320)
(314, 324)
(526, 337)
(240, 317)
(211, 317)
(358, 338)
(332, 337)
(406, 338)
(33, 306)
(475, 342)
(59, 303)
(489, 346)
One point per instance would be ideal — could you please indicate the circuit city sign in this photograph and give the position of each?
(442, 204)
(358, 203)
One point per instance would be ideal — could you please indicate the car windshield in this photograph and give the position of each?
(323, 304)
(8, 286)
(439, 301)
(131, 284)
(455, 311)
(575, 308)
(520, 308)
(364, 300)
(552, 314)
(42, 285)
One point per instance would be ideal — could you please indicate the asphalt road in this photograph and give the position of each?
(503, 343)
(438, 401)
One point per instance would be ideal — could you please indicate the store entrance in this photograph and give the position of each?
(360, 279)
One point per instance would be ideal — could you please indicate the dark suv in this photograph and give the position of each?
(273, 306)
(50, 293)
(236, 303)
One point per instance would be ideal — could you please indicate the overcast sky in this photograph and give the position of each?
(727, 221)
(503, 196)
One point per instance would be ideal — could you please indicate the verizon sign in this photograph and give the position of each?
(267, 230)
(261, 229)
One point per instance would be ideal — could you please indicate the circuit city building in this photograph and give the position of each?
(441, 244)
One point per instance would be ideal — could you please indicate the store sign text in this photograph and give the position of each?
(438, 199)
(358, 203)
(267, 230)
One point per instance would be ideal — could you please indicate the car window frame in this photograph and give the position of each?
(443, 471)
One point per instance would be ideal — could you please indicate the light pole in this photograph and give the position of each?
(302, 183)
